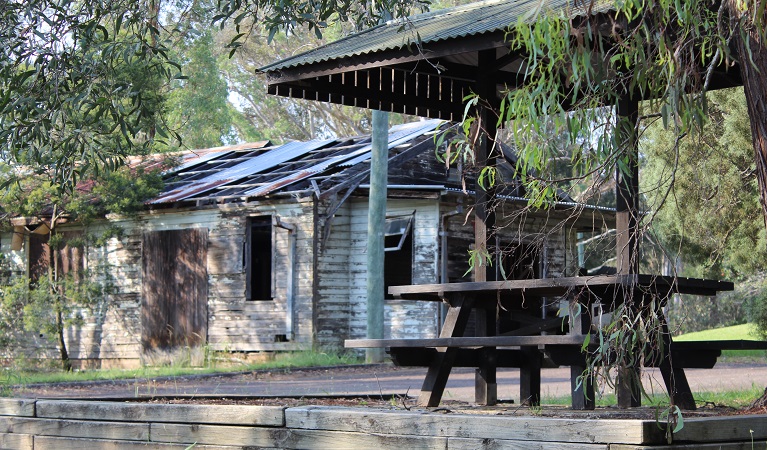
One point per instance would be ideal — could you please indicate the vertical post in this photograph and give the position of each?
(627, 233)
(379, 166)
(484, 214)
(485, 384)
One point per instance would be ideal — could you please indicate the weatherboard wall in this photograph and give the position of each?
(403, 319)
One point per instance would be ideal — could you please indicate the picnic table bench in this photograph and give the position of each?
(525, 347)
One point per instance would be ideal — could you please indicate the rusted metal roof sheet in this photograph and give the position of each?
(441, 25)
(398, 135)
(247, 171)
(250, 166)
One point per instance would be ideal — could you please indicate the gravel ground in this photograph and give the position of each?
(376, 385)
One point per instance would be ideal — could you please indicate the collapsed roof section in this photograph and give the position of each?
(247, 172)
(328, 169)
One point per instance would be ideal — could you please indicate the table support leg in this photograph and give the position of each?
(580, 323)
(436, 378)
(674, 377)
(530, 377)
(439, 370)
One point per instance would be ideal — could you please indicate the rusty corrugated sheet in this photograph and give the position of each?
(258, 164)
(398, 135)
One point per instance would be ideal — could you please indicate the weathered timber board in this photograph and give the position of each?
(282, 438)
(17, 407)
(217, 434)
(16, 441)
(225, 414)
(61, 443)
(719, 446)
(723, 429)
(75, 428)
(503, 444)
(470, 426)
(334, 440)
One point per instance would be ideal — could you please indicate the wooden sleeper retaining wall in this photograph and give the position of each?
(63, 424)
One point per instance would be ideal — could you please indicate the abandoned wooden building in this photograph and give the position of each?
(261, 248)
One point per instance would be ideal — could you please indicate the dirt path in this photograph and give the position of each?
(372, 380)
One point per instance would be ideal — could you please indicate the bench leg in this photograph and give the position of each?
(583, 394)
(485, 384)
(530, 376)
(627, 388)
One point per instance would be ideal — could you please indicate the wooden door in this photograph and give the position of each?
(174, 308)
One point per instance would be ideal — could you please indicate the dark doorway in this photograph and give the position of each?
(259, 259)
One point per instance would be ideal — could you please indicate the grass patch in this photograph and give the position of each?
(746, 331)
(734, 399)
(287, 360)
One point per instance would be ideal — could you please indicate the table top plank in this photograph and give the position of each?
(598, 284)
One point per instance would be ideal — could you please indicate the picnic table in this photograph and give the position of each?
(523, 343)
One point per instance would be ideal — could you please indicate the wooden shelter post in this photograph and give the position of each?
(627, 232)
(486, 387)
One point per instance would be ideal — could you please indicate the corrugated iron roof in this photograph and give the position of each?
(398, 135)
(441, 25)
(248, 171)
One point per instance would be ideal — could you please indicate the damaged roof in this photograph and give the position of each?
(251, 171)
(325, 168)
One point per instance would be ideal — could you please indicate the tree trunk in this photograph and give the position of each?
(57, 292)
(66, 363)
(754, 75)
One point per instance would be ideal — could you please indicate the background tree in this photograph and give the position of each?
(704, 197)
(704, 192)
(198, 107)
(278, 118)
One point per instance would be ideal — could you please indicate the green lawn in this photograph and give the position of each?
(734, 399)
(745, 332)
(286, 360)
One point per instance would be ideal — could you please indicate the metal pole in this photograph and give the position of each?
(376, 220)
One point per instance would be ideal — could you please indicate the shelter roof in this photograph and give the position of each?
(427, 64)
(423, 66)
(478, 18)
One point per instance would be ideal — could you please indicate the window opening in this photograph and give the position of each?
(259, 262)
(396, 231)
(398, 256)
(520, 262)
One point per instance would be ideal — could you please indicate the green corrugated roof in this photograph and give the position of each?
(441, 25)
